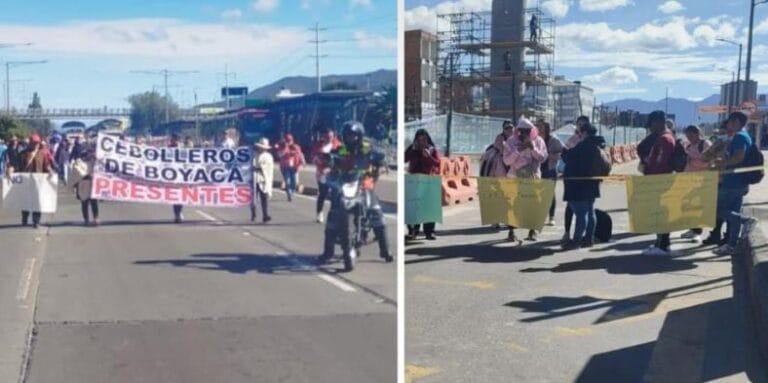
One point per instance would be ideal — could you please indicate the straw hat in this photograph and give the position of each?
(263, 144)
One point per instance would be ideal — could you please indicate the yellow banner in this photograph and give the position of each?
(671, 202)
(520, 202)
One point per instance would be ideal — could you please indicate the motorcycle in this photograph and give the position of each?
(349, 225)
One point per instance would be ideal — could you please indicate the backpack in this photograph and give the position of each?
(753, 158)
(679, 156)
(603, 226)
(601, 165)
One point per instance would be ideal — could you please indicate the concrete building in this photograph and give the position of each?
(571, 100)
(421, 86)
(735, 92)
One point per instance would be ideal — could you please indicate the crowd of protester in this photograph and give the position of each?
(530, 150)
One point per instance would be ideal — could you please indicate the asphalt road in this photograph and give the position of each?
(482, 310)
(216, 299)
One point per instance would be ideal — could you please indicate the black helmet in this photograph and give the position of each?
(352, 132)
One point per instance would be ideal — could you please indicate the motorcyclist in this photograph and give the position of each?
(356, 155)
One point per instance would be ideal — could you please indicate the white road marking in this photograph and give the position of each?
(26, 279)
(207, 216)
(336, 282)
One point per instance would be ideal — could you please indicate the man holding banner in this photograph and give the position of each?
(33, 160)
(128, 172)
(733, 187)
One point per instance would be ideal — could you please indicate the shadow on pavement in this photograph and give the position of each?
(555, 307)
(622, 264)
(482, 252)
(700, 343)
(240, 263)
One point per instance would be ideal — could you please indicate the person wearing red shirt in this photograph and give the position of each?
(422, 158)
(327, 144)
(656, 158)
(291, 159)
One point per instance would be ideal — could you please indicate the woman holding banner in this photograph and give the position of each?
(263, 170)
(422, 158)
(524, 152)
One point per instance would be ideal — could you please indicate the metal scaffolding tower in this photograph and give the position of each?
(482, 61)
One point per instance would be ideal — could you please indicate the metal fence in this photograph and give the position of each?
(473, 134)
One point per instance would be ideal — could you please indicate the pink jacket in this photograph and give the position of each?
(525, 163)
(695, 163)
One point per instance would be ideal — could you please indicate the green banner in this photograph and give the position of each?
(423, 199)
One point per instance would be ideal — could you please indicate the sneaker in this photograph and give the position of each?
(532, 236)
(386, 257)
(266, 219)
(320, 217)
(587, 244)
(697, 239)
(655, 251)
(725, 250)
(431, 237)
(551, 222)
(688, 234)
(748, 227)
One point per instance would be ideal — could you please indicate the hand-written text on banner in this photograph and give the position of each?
(520, 202)
(671, 202)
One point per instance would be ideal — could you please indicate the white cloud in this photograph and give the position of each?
(556, 8)
(157, 37)
(361, 3)
(613, 77)
(265, 5)
(365, 40)
(602, 5)
(671, 6)
(423, 17)
(762, 27)
(232, 14)
(707, 35)
(670, 36)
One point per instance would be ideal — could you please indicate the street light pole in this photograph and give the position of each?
(753, 4)
(8, 65)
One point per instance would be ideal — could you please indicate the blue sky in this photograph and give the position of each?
(638, 48)
(92, 47)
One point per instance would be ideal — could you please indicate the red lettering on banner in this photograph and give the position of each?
(119, 189)
(190, 195)
(226, 195)
(244, 196)
(153, 193)
(171, 194)
(137, 192)
(209, 191)
(101, 185)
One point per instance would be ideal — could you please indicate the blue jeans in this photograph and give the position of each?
(584, 214)
(729, 202)
(289, 176)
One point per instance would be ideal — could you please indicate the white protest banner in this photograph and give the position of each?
(131, 172)
(31, 192)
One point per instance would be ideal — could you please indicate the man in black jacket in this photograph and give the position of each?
(580, 194)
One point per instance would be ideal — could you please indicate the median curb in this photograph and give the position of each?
(752, 259)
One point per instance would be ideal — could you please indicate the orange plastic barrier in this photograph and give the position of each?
(457, 186)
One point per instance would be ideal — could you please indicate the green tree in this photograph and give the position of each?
(10, 126)
(339, 85)
(148, 112)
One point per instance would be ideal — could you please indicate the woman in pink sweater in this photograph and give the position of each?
(524, 152)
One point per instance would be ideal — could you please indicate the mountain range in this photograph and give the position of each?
(685, 111)
(303, 84)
